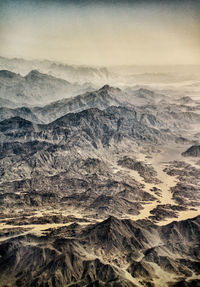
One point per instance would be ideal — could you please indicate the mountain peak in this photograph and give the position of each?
(33, 74)
(14, 123)
(193, 151)
(105, 87)
(110, 222)
(7, 74)
(14, 119)
(108, 88)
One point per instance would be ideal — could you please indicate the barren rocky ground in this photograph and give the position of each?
(102, 189)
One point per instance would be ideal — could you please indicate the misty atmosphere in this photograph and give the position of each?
(99, 143)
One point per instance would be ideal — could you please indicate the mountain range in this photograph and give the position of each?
(72, 73)
(105, 254)
(34, 88)
(99, 185)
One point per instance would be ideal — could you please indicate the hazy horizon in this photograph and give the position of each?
(93, 65)
(99, 34)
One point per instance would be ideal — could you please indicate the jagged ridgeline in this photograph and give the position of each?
(113, 252)
(99, 183)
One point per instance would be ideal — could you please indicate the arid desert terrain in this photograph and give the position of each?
(99, 177)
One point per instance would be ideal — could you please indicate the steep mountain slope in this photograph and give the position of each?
(35, 88)
(104, 254)
(160, 115)
(89, 126)
(72, 73)
(101, 99)
(193, 151)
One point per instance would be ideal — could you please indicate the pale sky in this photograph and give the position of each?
(147, 33)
